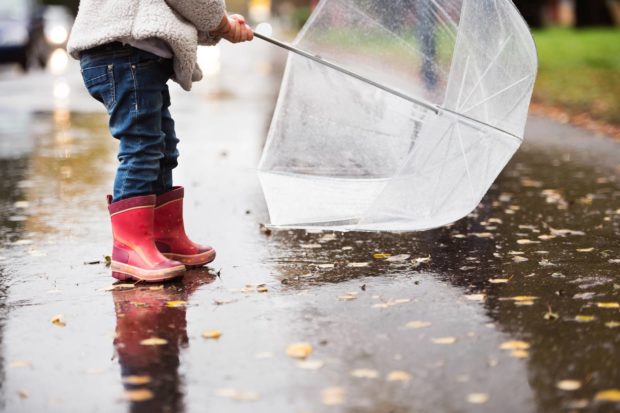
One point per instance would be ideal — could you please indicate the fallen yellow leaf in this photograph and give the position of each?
(365, 373)
(174, 304)
(477, 398)
(399, 376)
(612, 324)
(138, 395)
(546, 237)
(514, 345)
(418, 324)
(521, 299)
(524, 303)
(58, 320)
(584, 318)
(381, 255)
(499, 280)
(520, 354)
(585, 249)
(299, 350)
(212, 334)
(568, 385)
(262, 289)
(137, 380)
(444, 340)
(608, 305)
(611, 395)
(348, 297)
(154, 341)
(527, 242)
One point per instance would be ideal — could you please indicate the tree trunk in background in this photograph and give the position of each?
(532, 11)
(593, 13)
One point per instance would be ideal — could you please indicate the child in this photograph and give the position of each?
(128, 50)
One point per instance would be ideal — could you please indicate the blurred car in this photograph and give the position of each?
(22, 37)
(58, 21)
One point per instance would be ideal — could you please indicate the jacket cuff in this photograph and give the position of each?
(206, 39)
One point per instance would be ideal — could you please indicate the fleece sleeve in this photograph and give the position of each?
(206, 15)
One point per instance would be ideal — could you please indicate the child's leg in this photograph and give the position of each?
(171, 153)
(170, 235)
(143, 143)
(129, 83)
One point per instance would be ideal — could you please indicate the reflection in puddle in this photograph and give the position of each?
(150, 334)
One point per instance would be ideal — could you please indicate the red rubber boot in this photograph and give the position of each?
(170, 236)
(134, 254)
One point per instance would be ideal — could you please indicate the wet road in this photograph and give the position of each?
(513, 309)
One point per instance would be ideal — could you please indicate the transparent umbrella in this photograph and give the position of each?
(399, 115)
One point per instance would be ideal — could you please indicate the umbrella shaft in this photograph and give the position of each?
(341, 69)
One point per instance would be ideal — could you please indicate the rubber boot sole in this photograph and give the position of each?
(124, 272)
(192, 261)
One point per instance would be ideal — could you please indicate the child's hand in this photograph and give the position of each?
(234, 29)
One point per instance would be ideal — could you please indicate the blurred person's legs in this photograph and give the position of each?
(131, 85)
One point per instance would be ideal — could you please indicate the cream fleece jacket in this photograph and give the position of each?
(183, 24)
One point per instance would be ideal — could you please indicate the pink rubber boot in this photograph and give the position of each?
(135, 255)
(170, 236)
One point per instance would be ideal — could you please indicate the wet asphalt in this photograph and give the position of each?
(512, 309)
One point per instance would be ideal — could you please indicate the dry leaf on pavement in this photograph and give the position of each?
(138, 395)
(399, 376)
(212, 334)
(299, 350)
(568, 385)
(154, 341)
(58, 320)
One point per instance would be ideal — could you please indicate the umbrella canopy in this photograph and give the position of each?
(418, 144)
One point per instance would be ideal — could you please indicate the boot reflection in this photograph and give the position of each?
(150, 373)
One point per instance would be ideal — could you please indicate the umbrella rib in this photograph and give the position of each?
(499, 16)
(441, 172)
(445, 14)
(471, 187)
(450, 29)
(465, 73)
(487, 70)
(494, 95)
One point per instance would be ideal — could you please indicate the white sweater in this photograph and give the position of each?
(182, 24)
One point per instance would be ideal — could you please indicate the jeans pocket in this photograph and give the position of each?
(99, 81)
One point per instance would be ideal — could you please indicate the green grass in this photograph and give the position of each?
(580, 71)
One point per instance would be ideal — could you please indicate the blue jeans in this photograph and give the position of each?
(131, 84)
